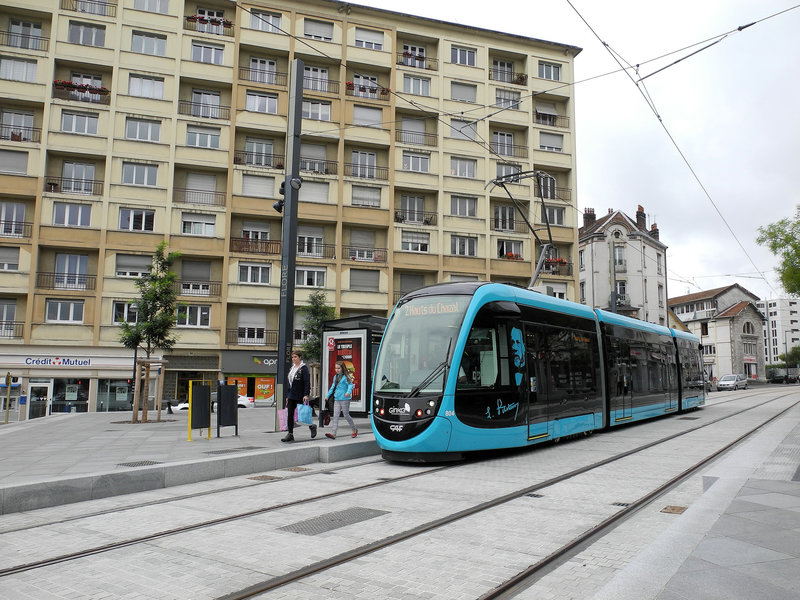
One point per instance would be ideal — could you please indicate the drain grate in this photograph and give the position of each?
(688, 418)
(623, 504)
(264, 477)
(140, 463)
(334, 520)
(534, 495)
(232, 450)
(296, 469)
(673, 510)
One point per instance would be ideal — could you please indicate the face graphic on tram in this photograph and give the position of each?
(518, 347)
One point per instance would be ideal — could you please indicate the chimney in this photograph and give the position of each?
(641, 218)
(654, 231)
(588, 217)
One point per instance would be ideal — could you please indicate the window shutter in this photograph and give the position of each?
(463, 91)
(134, 262)
(369, 35)
(252, 317)
(366, 196)
(314, 191)
(9, 255)
(411, 281)
(413, 125)
(364, 279)
(196, 269)
(551, 140)
(314, 151)
(318, 28)
(258, 185)
(13, 162)
(546, 108)
(309, 231)
(367, 115)
(362, 237)
(201, 181)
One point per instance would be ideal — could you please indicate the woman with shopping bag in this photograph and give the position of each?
(341, 389)
(299, 387)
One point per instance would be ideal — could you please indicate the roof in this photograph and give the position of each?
(736, 310)
(601, 223)
(706, 295)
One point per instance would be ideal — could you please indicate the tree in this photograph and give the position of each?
(783, 240)
(792, 357)
(155, 312)
(317, 312)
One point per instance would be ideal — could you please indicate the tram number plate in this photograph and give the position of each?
(449, 413)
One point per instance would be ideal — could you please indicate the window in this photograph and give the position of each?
(414, 56)
(362, 245)
(86, 95)
(156, 6)
(315, 78)
(464, 92)
(258, 152)
(748, 328)
(419, 163)
(463, 130)
(86, 34)
(258, 186)
(198, 224)
(463, 206)
(17, 69)
(462, 245)
(659, 262)
(554, 142)
(195, 278)
(462, 167)
(314, 109)
(64, 311)
(509, 249)
(413, 241)
(25, 34)
(149, 43)
(146, 87)
(462, 56)
(308, 277)
(83, 123)
(622, 290)
(553, 214)
(262, 102)
(12, 219)
(73, 215)
(369, 38)
(365, 86)
(263, 70)
(94, 7)
(619, 256)
(16, 125)
(8, 314)
(136, 219)
(507, 99)
(503, 143)
(77, 178)
(504, 217)
(364, 164)
(546, 187)
(12, 161)
(314, 191)
(318, 30)
(142, 130)
(125, 312)
(254, 273)
(255, 230)
(550, 71)
(133, 265)
(309, 241)
(581, 263)
(362, 195)
(265, 21)
(582, 292)
(419, 86)
(9, 258)
(546, 113)
(139, 174)
(412, 208)
(502, 70)
(194, 316)
(202, 137)
(364, 280)
(368, 116)
(207, 53)
(71, 271)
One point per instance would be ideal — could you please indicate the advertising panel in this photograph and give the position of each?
(349, 347)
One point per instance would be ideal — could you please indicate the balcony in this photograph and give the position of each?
(320, 167)
(551, 120)
(66, 90)
(510, 225)
(205, 198)
(254, 246)
(366, 171)
(318, 84)
(197, 287)
(212, 25)
(506, 76)
(262, 76)
(91, 7)
(15, 133)
(620, 266)
(510, 150)
(68, 185)
(24, 40)
(258, 159)
(364, 254)
(370, 92)
(65, 281)
(16, 229)
(251, 336)
(421, 62)
(415, 217)
(313, 250)
(555, 266)
(199, 109)
(415, 137)
(553, 193)
(11, 329)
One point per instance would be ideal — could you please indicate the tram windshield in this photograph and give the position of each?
(417, 343)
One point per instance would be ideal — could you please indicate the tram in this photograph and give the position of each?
(472, 366)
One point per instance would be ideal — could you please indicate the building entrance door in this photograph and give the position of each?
(40, 398)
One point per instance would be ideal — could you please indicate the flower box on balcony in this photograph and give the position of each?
(209, 20)
(511, 256)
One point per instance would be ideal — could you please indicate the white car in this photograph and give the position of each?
(732, 382)
(243, 402)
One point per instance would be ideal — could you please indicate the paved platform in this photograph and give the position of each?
(67, 458)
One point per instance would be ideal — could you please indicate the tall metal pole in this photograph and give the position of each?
(291, 187)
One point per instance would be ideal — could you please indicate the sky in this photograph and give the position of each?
(724, 160)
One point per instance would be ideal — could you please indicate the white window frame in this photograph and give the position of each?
(86, 34)
(372, 198)
(367, 116)
(507, 99)
(508, 170)
(416, 86)
(415, 241)
(70, 214)
(254, 273)
(463, 130)
(265, 21)
(551, 142)
(136, 219)
(142, 130)
(9, 258)
(63, 311)
(310, 277)
(124, 312)
(154, 6)
(80, 123)
(143, 174)
(463, 245)
(548, 70)
(145, 264)
(201, 225)
(555, 214)
(196, 316)
(463, 167)
(463, 206)
(463, 92)
(144, 86)
(12, 219)
(505, 217)
(506, 247)
(502, 70)
(202, 137)
(368, 38)
(261, 102)
(17, 69)
(416, 162)
(205, 52)
(463, 55)
(318, 30)
(316, 110)
(143, 42)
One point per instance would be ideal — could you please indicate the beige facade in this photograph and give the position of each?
(129, 122)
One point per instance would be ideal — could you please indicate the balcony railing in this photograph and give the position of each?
(263, 76)
(510, 150)
(554, 193)
(91, 7)
(92, 95)
(197, 287)
(203, 197)
(69, 185)
(409, 59)
(253, 246)
(212, 25)
(312, 250)
(620, 266)
(318, 84)
(251, 336)
(415, 217)
(16, 229)
(506, 76)
(365, 254)
(552, 120)
(65, 281)
(11, 329)
(368, 91)
(321, 167)
(199, 109)
(415, 137)
(510, 225)
(24, 40)
(20, 134)
(558, 268)
(258, 159)
(366, 171)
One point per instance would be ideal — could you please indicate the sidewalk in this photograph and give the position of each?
(68, 458)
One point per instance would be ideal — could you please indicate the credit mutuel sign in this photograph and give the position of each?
(62, 361)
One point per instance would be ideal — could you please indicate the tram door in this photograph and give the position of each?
(670, 381)
(538, 414)
(40, 398)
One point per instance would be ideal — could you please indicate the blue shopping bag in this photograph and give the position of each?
(304, 414)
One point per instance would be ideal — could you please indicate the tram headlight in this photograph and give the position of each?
(431, 403)
(381, 411)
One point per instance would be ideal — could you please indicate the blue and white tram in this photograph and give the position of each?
(475, 366)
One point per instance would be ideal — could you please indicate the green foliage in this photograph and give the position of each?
(155, 306)
(317, 312)
(792, 357)
(783, 240)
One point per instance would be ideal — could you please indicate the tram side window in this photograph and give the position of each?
(573, 365)
(479, 362)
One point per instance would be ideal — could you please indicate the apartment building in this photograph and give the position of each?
(781, 328)
(129, 122)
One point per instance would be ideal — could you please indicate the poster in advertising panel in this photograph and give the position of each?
(265, 389)
(349, 347)
(240, 383)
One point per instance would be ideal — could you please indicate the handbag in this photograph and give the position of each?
(283, 413)
(304, 414)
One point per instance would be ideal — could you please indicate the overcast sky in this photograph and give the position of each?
(732, 109)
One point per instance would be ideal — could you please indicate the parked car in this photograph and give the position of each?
(243, 402)
(732, 382)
